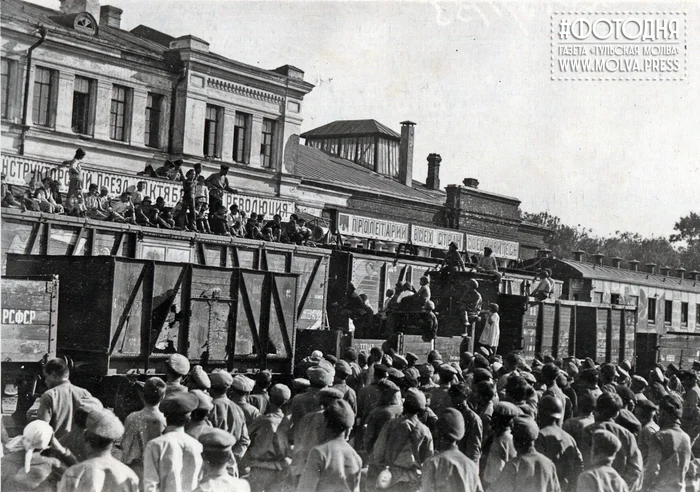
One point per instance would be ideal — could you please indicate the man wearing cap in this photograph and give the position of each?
(584, 417)
(669, 450)
(470, 445)
(227, 415)
(556, 444)
(217, 447)
(449, 470)
(319, 378)
(511, 363)
(389, 407)
(58, 403)
(439, 397)
(199, 419)
(333, 465)
(411, 369)
(173, 461)
(176, 367)
(367, 400)
(470, 306)
(639, 384)
(259, 397)
(403, 445)
(144, 425)
(530, 471)
(628, 462)
(425, 378)
(690, 420)
(499, 449)
(601, 476)
(545, 287)
(198, 379)
(550, 373)
(240, 389)
(101, 471)
(269, 453)
(218, 185)
(646, 413)
(342, 372)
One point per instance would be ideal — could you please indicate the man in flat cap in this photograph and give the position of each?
(550, 373)
(101, 471)
(57, 404)
(173, 461)
(259, 397)
(176, 367)
(425, 378)
(227, 415)
(333, 465)
(450, 470)
(342, 372)
(669, 450)
(367, 400)
(470, 445)
(389, 407)
(240, 389)
(439, 397)
(500, 449)
(319, 378)
(575, 426)
(144, 425)
(399, 437)
(198, 379)
(601, 476)
(216, 453)
(411, 369)
(556, 444)
(269, 453)
(199, 419)
(530, 471)
(639, 384)
(218, 185)
(646, 413)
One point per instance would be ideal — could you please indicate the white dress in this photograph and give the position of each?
(492, 331)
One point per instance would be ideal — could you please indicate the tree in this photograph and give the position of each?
(688, 230)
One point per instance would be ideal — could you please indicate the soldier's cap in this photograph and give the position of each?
(671, 404)
(434, 356)
(380, 370)
(351, 354)
(447, 370)
(496, 366)
(451, 424)
(625, 393)
(279, 394)
(622, 372)
(217, 440)
(87, 405)
(146, 199)
(178, 363)
(629, 421)
(483, 351)
(387, 386)
(205, 401)
(103, 423)
(506, 409)
(221, 378)
(481, 374)
(426, 370)
(400, 362)
(571, 368)
(552, 406)
(318, 376)
(339, 415)
(395, 373)
(317, 354)
(200, 377)
(529, 377)
(537, 364)
(606, 443)
(415, 397)
(524, 429)
(481, 361)
(327, 366)
(343, 368)
(263, 377)
(672, 368)
(589, 375)
(588, 363)
(331, 358)
(242, 383)
(550, 371)
(410, 356)
(180, 402)
(608, 370)
(387, 360)
(301, 383)
(224, 167)
(330, 393)
(647, 405)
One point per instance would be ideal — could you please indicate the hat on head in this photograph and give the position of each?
(426, 370)
(205, 401)
(571, 368)
(622, 372)
(550, 371)
(318, 376)
(380, 370)
(327, 366)
(339, 415)
(343, 368)
(451, 424)
(608, 370)
(647, 405)
(447, 370)
(330, 393)
(242, 383)
(178, 363)
(551, 406)
(224, 167)
(180, 402)
(410, 356)
(687, 376)
(331, 358)
(588, 363)
(400, 362)
(415, 397)
(481, 361)
(217, 440)
(35, 436)
(387, 360)
(89, 404)
(200, 377)
(279, 394)
(301, 383)
(263, 378)
(221, 378)
(105, 424)
(317, 354)
(496, 366)
(481, 374)
(434, 356)
(524, 429)
(529, 377)
(387, 386)
(606, 442)
(537, 365)
(395, 373)
(671, 404)
(430, 305)
(506, 409)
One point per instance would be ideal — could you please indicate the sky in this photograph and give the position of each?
(475, 77)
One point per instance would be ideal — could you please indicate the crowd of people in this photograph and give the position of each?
(199, 208)
(371, 421)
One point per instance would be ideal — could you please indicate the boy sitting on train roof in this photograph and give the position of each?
(453, 259)
(545, 287)
(489, 264)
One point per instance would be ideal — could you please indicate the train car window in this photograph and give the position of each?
(614, 298)
(651, 310)
(684, 313)
(668, 312)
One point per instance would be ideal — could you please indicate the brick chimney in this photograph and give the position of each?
(634, 265)
(92, 7)
(578, 254)
(433, 180)
(651, 267)
(616, 261)
(598, 259)
(406, 153)
(544, 253)
(111, 16)
(664, 270)
(471, 182)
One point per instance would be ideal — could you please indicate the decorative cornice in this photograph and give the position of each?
(242, 90)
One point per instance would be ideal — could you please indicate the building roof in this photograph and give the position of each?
(318, 166)
(580, 269)
(347, 128)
